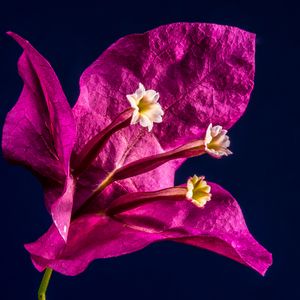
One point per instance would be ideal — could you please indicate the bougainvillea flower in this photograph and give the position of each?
(147, 110)
(145, 105)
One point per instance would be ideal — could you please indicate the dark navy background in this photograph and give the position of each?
(262, 174)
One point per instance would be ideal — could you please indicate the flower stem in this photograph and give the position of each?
(44, 284)
(107, 180)
(90, 151)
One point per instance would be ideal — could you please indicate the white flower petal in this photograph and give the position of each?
(156, 97)
(150, 94)
(141, 87)
(135, 117)
(157, 119)
(150, 126)
(132, 101)
(144, 121)
(140, 92)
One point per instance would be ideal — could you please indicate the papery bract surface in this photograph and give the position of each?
(39, 132)
(219, 227)
(203, 74)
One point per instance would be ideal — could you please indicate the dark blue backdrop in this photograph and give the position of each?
(261, 175)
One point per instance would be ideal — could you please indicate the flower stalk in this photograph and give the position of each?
(215, 143)
(93, 147)
(144, 165)
(133, 200)
(197, 191)
(44, 284)
(141, 166)
(107, 180)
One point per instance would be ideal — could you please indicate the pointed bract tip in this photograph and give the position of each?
(268, 264)
(64, 234)
(63, 231)
(22, 42)
(12, 34)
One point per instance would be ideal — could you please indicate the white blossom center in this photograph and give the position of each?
(146, 109)
(216, 141)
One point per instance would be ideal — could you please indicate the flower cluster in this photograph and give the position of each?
(107, 165)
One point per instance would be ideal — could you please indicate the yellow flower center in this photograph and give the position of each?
(198, 191)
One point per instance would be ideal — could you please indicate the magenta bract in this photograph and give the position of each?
(203, 73)
(219, 227)
(39, 132)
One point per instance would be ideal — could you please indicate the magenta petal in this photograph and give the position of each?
(61, 209)
(39, 131)
(203, 72)
(90, 237)
(219, 227)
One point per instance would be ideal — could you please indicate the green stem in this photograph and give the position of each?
(44, 284)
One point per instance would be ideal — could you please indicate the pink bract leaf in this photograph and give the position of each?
(219, 227)
(203, 73)
(39, 131)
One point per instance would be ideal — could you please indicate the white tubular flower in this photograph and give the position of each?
(147, 110)
(216, 141)
(198, 191)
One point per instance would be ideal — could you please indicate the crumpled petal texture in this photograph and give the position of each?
(203, 73)
(39, 131)
(219, 227)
